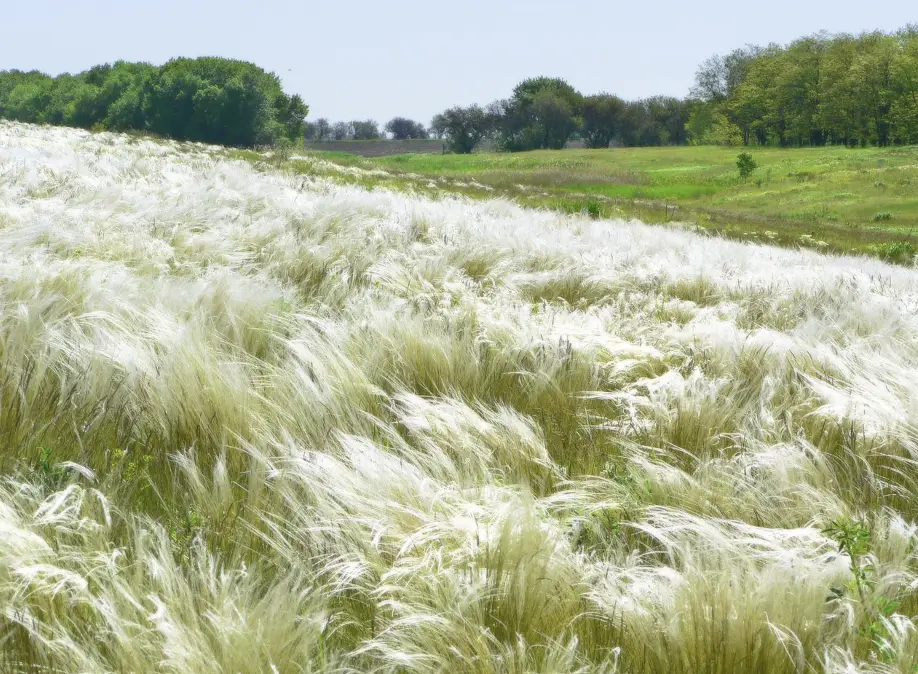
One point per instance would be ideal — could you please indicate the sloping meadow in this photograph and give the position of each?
(257, 422)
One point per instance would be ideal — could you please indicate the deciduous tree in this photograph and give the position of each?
(367, 129)
(403, 128)
(463, 128)
(543, 112)
(601, 118)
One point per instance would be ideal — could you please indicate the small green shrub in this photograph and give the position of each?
(746, 164)
(854, 538)
(880, 217)
(591, 207)
(282, 150)
(899, 251)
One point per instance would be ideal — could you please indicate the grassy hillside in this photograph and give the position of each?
(262, 421)
(860, 200)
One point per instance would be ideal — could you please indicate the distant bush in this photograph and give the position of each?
(746, 164)
(365, 130)
(342, 131)
(319, 130)
(282, 150)
(594, 209)
(463, 128)
(900, 251)
(880, 217)
(403, 128)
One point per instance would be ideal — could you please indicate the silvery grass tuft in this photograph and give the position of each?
(257, 422)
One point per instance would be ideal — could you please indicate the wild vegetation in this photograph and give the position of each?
(833, 199)
(399, 128)
(262, 421)
(402, 128)
(819, 90)
(214, 100)
(544, 113)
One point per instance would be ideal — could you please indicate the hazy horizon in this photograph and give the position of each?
(351, 61)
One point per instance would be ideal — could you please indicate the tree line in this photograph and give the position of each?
(818, 90)
(400, 128)
(547, 112)
(542, 112)
(212, 100)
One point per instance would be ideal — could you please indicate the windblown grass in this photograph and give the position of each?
(832, 199)
(252, 421)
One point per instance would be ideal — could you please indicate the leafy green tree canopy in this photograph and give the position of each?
(403, 128)
(543, 112)
(602, 116)
(367, 129)
(463, 128)
(207, 99)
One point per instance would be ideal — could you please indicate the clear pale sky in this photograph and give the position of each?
(354, 59)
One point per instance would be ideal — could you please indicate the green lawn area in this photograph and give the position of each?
(847, 200)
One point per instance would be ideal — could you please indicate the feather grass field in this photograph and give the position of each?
(256, 422)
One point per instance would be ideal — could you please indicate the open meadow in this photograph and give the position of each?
(861, 200)
(268, 420)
